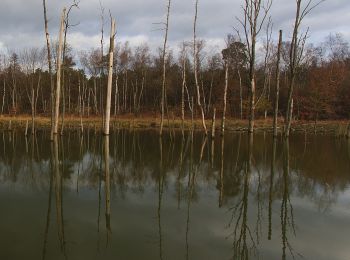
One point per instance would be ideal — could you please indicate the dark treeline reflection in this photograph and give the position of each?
(251, 182)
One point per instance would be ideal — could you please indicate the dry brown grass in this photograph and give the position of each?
(147, 121)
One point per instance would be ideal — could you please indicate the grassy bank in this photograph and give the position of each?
(142, 122)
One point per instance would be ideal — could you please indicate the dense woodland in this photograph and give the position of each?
(323, 84)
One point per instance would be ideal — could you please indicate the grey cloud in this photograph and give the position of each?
(21, 21)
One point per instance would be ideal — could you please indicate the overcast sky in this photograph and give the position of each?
(21, 21)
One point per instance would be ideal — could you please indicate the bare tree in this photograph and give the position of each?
(124, 60)
(237, 53)
(226, 65)
(101, 62)
(255, 14)
(195, 67)
(81, 104)
(214, 63)
(295, 54)
(183, 61)
(162, 103)
(139, 65)
(32, 64)
(110, 78)
(277, 90)
(3, 65)
(67, 25)
(59, 65)
(107, 186)
(267, 67)
(116, 71)
(91, 61)
(50, 67)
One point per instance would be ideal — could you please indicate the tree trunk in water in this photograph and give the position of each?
(252, 84)
(110, 78)
(183, 94)
(292, 68)
(50, 67)
(107, 187)
(275, 114)
(273, 169)
(58, 84)
(164, 68)
(224, 103)
(195, 54)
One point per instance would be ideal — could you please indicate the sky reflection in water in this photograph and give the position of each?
(179, 197)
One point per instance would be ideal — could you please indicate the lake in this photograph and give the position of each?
(133, 195)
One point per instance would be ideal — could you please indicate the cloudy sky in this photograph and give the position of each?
(21, 21)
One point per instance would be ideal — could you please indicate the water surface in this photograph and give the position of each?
(178, 197)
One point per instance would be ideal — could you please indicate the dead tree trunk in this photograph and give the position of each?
(50, 67)
(255, 14)
(164, 68)
(225, 98)
(107, 188)
(59, 65)
(110, 78)
(195, 64)
(295, 55)
(183, 92)
(292, 69)
(80, 104)
(66, 26)
(116, 93)
(277, 91)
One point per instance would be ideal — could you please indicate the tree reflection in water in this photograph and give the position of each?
(107, 187)
(287, 217)
(48, 214)
(245, 177)
(160, 195)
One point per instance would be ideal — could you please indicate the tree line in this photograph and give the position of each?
(240, 80)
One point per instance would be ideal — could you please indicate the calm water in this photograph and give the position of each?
(174, 198)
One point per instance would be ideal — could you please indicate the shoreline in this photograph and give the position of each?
(337, 127)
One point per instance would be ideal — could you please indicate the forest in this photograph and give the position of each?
(245, 80)
(322, 86)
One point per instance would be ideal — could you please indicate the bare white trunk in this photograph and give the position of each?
(275, 114)
(225, 98)
(59, 65)
(183, 93)
(50, 67)
(195, 56)
(164, 69)
(110, 78)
